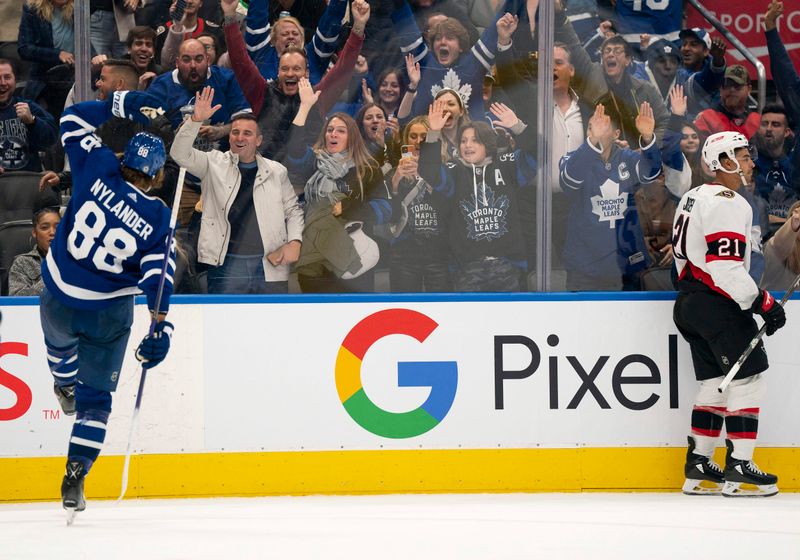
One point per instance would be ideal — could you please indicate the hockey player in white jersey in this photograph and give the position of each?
(714, 312)
(110, 245)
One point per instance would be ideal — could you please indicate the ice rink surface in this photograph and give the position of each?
(419, 527)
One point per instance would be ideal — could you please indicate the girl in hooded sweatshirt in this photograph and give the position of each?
(485, 230)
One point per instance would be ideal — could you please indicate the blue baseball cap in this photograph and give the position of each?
(698, 33)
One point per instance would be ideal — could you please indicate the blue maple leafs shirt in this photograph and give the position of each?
(600, 194)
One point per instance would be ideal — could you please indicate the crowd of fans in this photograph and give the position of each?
(331, 140)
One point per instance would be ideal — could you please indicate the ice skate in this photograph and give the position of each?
(72, 490)
(743, 479)
(703, 476)
(66, 398)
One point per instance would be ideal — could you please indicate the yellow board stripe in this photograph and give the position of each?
(378, 472)
(348, 374)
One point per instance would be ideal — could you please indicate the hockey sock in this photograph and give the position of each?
(63, 364)
(89, 430)
(742, 428)
(706, 426)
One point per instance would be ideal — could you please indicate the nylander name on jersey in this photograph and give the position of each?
(111, 241)
(120, 209)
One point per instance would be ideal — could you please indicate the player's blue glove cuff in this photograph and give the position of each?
(137, 106)
(154, 348)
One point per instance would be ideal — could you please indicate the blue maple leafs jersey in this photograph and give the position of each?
(662, 18)
(600, 194)
(112, 238)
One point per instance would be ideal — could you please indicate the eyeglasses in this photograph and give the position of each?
(616, 51)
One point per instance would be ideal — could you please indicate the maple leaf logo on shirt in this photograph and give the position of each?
(610, 205)
(452, 81)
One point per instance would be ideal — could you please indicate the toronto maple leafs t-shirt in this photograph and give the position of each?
(15, 151)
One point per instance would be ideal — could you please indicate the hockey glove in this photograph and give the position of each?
(770, 310)
(153, 348)
(137, 106)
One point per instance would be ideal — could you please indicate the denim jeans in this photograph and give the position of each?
(242, 274)
(103, 35)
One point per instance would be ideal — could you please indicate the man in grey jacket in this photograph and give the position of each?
(608, 81)
(252, 224)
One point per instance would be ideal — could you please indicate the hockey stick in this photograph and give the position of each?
(753, 343)
(173, 218)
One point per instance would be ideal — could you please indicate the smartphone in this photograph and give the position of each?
(406, 151)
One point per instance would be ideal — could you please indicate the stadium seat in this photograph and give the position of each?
(18, 194)
(15, 239)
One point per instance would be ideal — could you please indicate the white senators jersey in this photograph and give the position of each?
(711, 242)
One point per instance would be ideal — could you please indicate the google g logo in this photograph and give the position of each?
(441, 377)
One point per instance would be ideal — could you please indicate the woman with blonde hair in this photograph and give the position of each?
(782, 254)
(337, 169)
(47, 38)
(420, 253)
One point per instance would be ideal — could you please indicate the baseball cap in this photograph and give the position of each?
(698, 33)
(662, 47)
(737, 73)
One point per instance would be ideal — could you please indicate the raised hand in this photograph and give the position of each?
(308, 97)
(644, 41)
(366, 93)
(437, 115)
(678, 102)
(23, 111)
(506, 117)
(202, 104)
(361, 11)
(393, 125)
(774, 11)
(506, 26)
(646, 122)
(413, 71)
(229, 7)
(599, 125)
(717, 51)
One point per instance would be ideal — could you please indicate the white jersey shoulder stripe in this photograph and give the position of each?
(77, 292)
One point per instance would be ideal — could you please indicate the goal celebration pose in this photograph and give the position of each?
(110, 245)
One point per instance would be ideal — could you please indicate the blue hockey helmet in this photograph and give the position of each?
(145, 152)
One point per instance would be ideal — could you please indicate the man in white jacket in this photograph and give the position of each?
(252, 224)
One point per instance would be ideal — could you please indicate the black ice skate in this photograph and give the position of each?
(72, 490)
(66, 398)
(703, 476)
(739, 472)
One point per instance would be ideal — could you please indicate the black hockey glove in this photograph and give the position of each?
(770, 310)
(153, 348)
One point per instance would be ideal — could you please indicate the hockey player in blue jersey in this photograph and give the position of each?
(110, 245)
(600, 179)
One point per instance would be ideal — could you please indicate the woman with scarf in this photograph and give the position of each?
(339, 171)
(485, 230)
